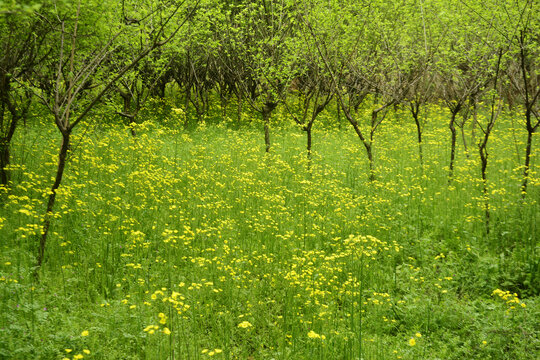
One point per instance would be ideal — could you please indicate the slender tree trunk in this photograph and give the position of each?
(452, 127)
(62, 155)
(369, 151)
(419, 136)
(464, 141)
(127, 113)
(475, 120)
(484, 162)
(308, 133)
(132, 125)
(267, 109)
(224, 102)
(4, 161)
(367, 146)
(528, 150)
(5, 144)
(374, 124)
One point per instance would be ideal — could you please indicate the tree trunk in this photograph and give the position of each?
(224, 102)
(419, 136)
(267, 109)
(371, 165)
(475, 121)
(528, 150)
(62, 155)
(4, 150)
(367, 146)
(4, 161)
(484, 161)
(453, 145)
(462, 128)
(127, 112)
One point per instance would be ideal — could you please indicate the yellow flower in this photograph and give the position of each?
(86, 351)
(85, 333)
(418, 335)
(166, 331)
(313, 335)
(68, 350)
(244, 324)
(162, 318)
(412, 342)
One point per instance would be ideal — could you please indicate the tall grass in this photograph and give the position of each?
(196, 244)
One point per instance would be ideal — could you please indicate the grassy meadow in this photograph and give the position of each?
(195, 244)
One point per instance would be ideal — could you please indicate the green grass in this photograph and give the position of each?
(201, 234)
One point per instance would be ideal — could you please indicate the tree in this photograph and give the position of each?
(426, 36)
(518, 28)
(526, 81)
(260, 55)
(463, 75)
(22, 37)
(72, 98)
(496, 107)
(362, 50)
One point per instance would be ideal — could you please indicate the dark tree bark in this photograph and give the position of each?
(415, 111)
(62, 156)
(5, 143)
(454, 109)
(528, 150)
(267, 110)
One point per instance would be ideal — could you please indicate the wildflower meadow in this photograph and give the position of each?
(269, 180)
(196, 244)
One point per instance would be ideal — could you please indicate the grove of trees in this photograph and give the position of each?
(366, 58)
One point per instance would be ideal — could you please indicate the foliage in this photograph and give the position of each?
(172, 234)
(195, 243)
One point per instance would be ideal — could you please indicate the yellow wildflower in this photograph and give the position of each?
(313, 335)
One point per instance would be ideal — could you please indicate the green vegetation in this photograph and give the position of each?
(178, 243)
(272, 179)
